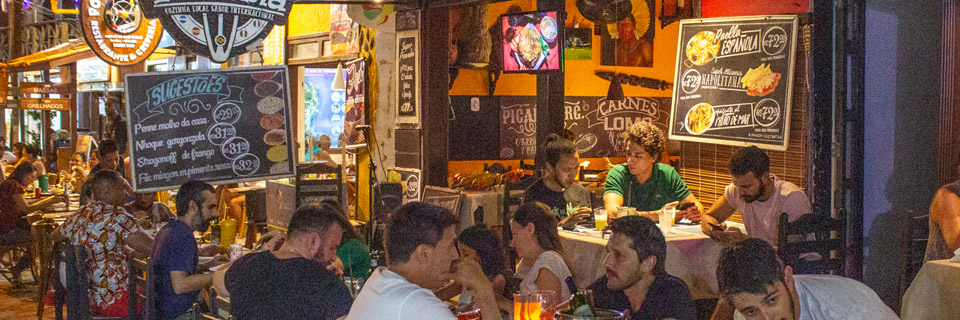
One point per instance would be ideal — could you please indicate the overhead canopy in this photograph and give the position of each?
(62, 54)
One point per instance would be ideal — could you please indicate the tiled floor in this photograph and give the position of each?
(21, 303)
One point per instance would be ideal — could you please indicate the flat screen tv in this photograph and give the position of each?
(532, 42)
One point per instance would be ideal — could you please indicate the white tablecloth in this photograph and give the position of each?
(492, 202)
(934, 293)
(691, 256)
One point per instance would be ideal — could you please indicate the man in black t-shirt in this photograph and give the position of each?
(636, 281)
(559, 183)
(292, 282)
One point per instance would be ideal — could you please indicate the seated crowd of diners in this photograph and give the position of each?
(298, 274)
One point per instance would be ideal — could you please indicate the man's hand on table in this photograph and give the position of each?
(575, 218)
(727, 235)
(216, 261)
(208, 249)
(692, 213)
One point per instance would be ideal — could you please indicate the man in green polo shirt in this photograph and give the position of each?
(643, 182)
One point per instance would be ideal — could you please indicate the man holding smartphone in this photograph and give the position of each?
(758, 196)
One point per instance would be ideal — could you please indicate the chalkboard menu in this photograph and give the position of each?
(227, 125)
(354, 105)
(407, 86)
(442, 197)
(734, 81)
(518, 127)
(597, 122)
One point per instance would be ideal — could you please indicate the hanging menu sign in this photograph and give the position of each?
(354, 106)
(223, 126)
(735, 81)
(118, 32)
(407, 82)
(219, 29)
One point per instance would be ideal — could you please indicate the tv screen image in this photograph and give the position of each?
(532, 42)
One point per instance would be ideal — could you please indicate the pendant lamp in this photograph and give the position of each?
(338, 82)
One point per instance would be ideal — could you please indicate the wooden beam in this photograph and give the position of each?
(550, 93)
(434, 26)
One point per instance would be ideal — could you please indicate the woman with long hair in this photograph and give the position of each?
(542, 265)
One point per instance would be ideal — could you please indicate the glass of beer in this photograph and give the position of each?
(600, 218)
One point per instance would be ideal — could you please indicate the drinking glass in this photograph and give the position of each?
(666, 219)
(527, 306)
(600, 218)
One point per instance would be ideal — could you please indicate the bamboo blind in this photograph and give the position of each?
(705, 167)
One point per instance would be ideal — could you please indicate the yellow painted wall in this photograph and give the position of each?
(317, 14)
(579, 78)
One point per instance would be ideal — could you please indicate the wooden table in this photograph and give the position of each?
(691, 256)
(934, 293)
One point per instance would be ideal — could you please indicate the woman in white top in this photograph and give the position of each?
(542, 266)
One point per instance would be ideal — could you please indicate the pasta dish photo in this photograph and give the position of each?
(699, 118)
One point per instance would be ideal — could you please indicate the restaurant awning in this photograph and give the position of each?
(62, 54)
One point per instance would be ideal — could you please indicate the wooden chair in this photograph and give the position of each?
(78, 303)
(815, 233)
(140, 283)
(529, 167)
(315, 189)
(12, 253)
(913, 247)
(512, 198)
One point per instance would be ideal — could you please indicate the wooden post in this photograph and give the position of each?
(550, 93)
(434, 26)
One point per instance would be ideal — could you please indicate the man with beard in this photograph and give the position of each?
(291, 279)
(175, 254)
(558, 187)
(422, 256)
(758, 196)
(636, 281)
(754, 281)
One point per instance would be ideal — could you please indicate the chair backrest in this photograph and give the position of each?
(512, 198)
(913, 246)
(812, 233)
(78, 303)
(140, 281)
(315, 189)
(529, 167)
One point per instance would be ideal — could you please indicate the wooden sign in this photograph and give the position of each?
(45, 88)
(354, 114)
(734, 81)
(118, 32)
(442, 197)
(219, 126)
(408, 76)
(46, 104)
(410, 180)
(219, 29)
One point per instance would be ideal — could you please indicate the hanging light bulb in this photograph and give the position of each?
(616, 90)
(338, 82)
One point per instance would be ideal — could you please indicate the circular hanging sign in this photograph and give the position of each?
(118, 32)
(219, 29)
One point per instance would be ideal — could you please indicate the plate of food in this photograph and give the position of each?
(702, 48)
(529, 48)
(760, 81)
(699, 118)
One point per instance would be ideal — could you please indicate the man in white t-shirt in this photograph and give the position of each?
(754, 282)
(421, 245)
(759, 197)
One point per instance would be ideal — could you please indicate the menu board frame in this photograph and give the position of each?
(684, 100)
(173, 183)
(408, 77)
